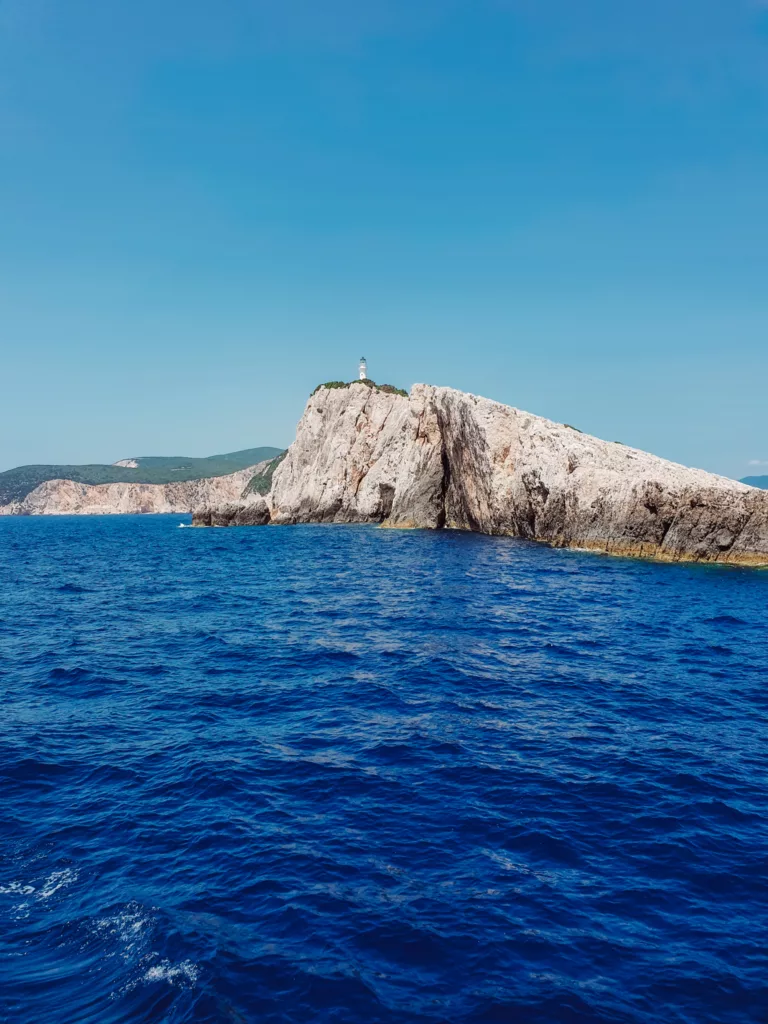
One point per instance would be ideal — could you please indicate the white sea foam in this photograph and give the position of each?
(55, 881)
(130, 928)
(185, 973)
(16, 889)
(181, 975)
(131, 931)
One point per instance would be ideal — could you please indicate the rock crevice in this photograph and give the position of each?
(443, 458)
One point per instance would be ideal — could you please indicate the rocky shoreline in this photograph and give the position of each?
(253, 513)
(438, 458)
(441, 458)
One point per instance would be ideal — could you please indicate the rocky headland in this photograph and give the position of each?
(82, 489)
(443, 459)
(440, 458)
(69, 497)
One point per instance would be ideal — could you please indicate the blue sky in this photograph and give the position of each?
(208, 208)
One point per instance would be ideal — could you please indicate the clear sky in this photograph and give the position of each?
(206, 208)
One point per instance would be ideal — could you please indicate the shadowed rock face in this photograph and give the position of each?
(254, 513)
(443, 458)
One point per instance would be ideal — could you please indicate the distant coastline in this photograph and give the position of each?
(436, 458)
(16, 484)
(142, 484)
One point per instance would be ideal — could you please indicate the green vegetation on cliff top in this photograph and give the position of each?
(16, 484)
(388, 389)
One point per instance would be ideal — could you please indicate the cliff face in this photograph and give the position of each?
(345, 460)
(67, 497)
(443, 458)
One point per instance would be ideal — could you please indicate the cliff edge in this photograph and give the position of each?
(443, 458)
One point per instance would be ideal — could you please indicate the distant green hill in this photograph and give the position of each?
(756, 481)
(15, 484)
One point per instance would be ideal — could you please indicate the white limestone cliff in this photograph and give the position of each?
(67, 497)
(443, 458)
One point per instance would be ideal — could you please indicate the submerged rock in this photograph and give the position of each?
(444, 458)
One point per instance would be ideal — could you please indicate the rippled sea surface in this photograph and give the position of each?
(341, 774)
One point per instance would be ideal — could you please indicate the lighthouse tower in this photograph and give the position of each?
(363, 368)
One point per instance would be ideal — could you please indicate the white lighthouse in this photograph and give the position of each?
(363, 368)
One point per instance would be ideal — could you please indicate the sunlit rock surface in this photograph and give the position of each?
(68, 497)
(444, 458)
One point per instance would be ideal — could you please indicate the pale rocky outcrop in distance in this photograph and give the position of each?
(67, 497)
(444, 458)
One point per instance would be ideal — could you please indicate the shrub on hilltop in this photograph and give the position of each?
(387, 389)
(331, 384)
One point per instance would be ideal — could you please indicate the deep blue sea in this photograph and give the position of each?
(350, 775)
